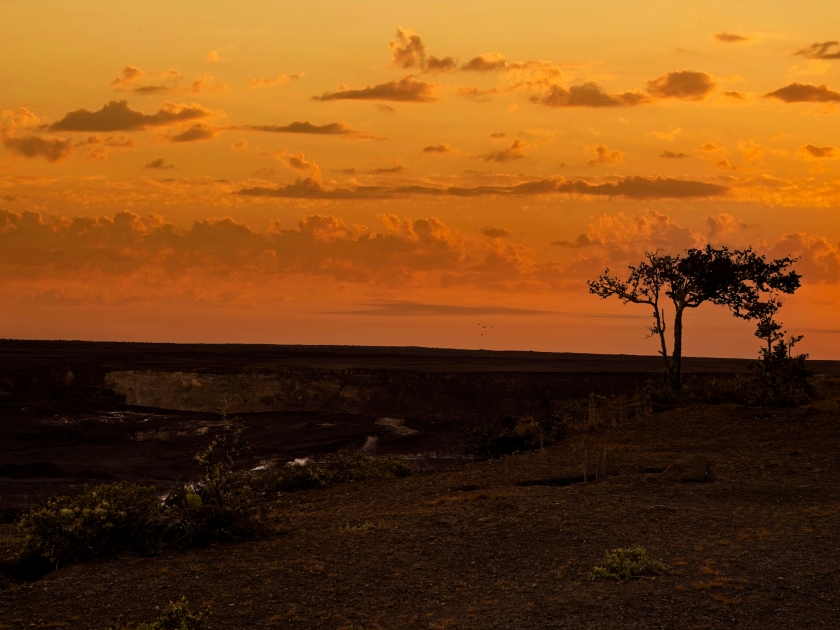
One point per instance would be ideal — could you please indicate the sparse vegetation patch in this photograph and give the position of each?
(625, 564)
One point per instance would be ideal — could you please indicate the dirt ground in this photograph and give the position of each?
(495, 545)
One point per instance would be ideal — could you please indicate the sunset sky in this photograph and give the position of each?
(393, 173)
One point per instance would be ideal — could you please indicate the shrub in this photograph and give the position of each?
(336, 468)
(176, 616)
(624, 564)
(107, 519)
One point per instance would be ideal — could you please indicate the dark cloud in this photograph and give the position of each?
(498, 134)
(437, 148)
(488, 62)
(159, 163)
(515, 151)
(392, 308)
(435, 65)
(31, 146)
(738, 96)
(588, 94)
(477, 94)
(408, 89)
(388, 170)
(630, 187)
(491, 231)
(686, 85)
(821, 50)
(731, 38)
(805, 93)
(385, 108)
(329, 129)
(118, 116)
(195, 133)
(813, 151)
(671, 155)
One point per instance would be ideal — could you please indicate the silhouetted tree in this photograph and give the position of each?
(735, 279)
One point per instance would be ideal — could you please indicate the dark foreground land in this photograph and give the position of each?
(493, 544)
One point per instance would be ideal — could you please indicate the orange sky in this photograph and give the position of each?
(382, 173)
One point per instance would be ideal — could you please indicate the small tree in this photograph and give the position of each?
(734, 279)
(219, 458)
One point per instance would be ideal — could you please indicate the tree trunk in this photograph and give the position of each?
(676, 357)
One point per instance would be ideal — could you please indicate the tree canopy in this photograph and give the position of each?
(736, 279)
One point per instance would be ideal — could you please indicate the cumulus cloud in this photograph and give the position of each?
(118, 116)
(603, 155)
(737, 96)
(488, 62)
(589, 94)
(673, 155)
(725, 165)
(814, 152)
(805, 93)
(32, 146)
(129, 75)
(723, 223)
(280, 79)
(685, 85)
(213, 56)
(409, 51)
(731, 38)
(821, 50)
(515, 151)
(817, 259)
(629, 187)
(667, 135)
(196, 133)
(408, 89)
(159, 163)
(437, 148)
(492, 231)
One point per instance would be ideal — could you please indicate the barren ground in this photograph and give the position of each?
(473, 547)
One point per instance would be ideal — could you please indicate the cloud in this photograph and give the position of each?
(515, 151)
(724, 165)
(436, 65)
(497, 134)
(390, 170)
(738, 96)
(477, 94)
(805, 93)
(32, 146)
(588, 94)
(731, 38)
(491, 231)
(621, 236)
(438, 148)
(671, 155)
(408, 90)
(328, 129)
(488, 62)
(409, 51)
(629, 187)
(391, 308)
(685, 85)
(240, 145)
(159, 163)
(205, 84)
(711, 147)
(724, 223)
(118, 116)
(280, 79)
(812, 151)
(667, 135)
(817, 259)
(195, 133)
(213, 56)
(821, 50)
(385, 108)
(129, 75)
(604, 156)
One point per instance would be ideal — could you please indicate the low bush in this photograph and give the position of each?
(624, 564)
(104, 520)
(340, 467)
(176, 616)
